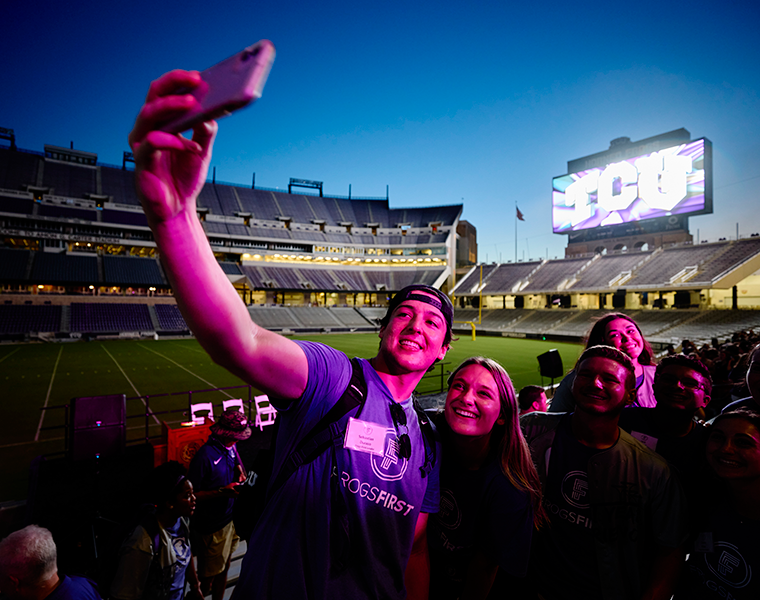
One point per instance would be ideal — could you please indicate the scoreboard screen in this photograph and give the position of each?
(672, 181)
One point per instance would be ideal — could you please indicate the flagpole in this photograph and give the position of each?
(515, 231)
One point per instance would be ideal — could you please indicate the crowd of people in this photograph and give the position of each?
(602, 494)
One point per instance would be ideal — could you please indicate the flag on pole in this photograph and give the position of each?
(519, 214)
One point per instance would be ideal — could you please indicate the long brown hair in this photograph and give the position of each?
(597, 336)
(513, 451)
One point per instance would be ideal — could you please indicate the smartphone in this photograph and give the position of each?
(228, 86)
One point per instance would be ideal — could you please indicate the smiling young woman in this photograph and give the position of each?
(725, 550)
(619, 331)
(490, 491)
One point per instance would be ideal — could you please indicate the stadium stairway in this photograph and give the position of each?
(153, 317)
(66, 318)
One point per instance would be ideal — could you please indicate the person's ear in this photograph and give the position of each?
(501, 420)
(444, 349)
(631, 397)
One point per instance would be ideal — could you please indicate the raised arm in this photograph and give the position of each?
(170, 172)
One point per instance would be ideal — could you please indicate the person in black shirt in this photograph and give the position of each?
(682, 387)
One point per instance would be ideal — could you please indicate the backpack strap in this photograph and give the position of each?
(326, 430)
(428, 438)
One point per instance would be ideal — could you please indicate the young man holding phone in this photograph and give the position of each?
(352, 523)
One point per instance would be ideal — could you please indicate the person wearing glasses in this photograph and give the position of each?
(490, 491)
(673, 429)
(352, 522)
(617, 515)
(619, 331)
(724, 558)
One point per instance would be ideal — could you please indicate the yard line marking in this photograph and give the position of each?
(47, 398)
(9, 353)
(185, 369)
(130, 382)
(201, 351)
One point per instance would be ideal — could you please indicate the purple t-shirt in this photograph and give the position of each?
(74, 588)
(300, 542)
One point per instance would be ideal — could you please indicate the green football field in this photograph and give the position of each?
(33, 376)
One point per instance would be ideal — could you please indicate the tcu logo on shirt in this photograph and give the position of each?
(575, 489)
(389, 466)
(449, 515)
(728, 565)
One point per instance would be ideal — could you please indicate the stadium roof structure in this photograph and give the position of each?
(62, 198)
(719, 265)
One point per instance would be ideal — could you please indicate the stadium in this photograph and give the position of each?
(88, 312)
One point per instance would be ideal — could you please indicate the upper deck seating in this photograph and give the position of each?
(120, 185)
(18, 169)
(736, 253)
(228, 201)
(64, 212)
(13, 264)
(671, 261)
(124, 217)
(230, 268)
(63, 268)
(20, 206)
(507, 276)
(70, 180)
(131, 270)
(552, 273)
(602, 271)
(472, 280)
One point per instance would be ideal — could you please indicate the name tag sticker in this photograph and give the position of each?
(648, 440)
(364, 436)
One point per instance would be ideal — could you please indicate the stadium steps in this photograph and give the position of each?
(370, 322)
(662, 333)
(66, 318)
(161, 271)
(634, 272)
(714, 257)
(101, 269)
(28, 268)
(154, 317)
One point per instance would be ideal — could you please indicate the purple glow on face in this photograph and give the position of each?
(663, 183)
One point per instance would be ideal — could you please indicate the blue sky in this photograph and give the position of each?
(478, 103)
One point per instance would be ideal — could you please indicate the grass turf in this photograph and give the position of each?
(37, 375)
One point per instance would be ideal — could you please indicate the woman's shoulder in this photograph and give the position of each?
(501, 489)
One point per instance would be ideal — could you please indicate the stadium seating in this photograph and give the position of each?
(132, 271)
(169, 317)
(19, 169)
(109, 317)
(25, 318)
(120, 185)
(13, 264)
(64, 268)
